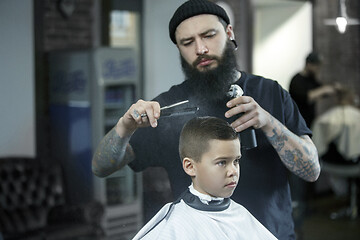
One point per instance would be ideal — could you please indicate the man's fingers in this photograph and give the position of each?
(239, 100)
(151, 115)
(135, 114)
(243, 125)
(144, 113)
(238, 109)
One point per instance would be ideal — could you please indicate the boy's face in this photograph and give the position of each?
(217, 173)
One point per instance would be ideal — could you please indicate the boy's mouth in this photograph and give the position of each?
(231, 184)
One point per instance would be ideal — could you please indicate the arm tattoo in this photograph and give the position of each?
(297, 153)
(112, 153)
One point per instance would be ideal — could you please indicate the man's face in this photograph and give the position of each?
(313, 69)
(207, 56)
(217, 172)
(201, 41)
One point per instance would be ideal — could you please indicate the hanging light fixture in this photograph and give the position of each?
(342, 20)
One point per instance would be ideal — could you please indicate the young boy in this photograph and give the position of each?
(210, 152)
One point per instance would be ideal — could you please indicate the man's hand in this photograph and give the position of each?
(140, 114)
(253, 115)
(324, 90)
(298, 154)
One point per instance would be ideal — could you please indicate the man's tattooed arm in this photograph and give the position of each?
(112, 154)
(299, 154)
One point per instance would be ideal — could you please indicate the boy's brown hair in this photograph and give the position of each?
(196, 133)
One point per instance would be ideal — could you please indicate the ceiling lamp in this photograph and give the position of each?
(342, 20)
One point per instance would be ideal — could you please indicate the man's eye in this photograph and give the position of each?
(187, 43)
(237, 161)
(210, 35)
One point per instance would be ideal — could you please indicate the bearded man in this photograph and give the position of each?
(202, 32)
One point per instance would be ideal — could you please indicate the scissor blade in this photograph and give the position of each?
(175, 104)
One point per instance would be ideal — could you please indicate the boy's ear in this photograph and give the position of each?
(189, 167)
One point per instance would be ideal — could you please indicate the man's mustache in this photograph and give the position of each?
(204, 57)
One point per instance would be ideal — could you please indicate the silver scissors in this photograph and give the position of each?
(178, 112)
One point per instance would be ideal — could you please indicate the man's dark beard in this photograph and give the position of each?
(212, 84)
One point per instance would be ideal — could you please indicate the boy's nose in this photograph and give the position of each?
(233, 170)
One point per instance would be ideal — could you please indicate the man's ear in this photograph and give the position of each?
(189, 167)
(230, 32)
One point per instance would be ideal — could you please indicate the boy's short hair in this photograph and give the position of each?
(196, 134)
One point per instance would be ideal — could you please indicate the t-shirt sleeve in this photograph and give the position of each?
(144, 143)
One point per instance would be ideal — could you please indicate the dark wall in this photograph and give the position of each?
(341, 52)
(67, 31)
(56, 28)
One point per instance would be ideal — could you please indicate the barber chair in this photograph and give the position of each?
(336, 134)
(334, 164)
(33, 204)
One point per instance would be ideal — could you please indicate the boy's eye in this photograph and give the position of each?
(221, 163)
(237, 161)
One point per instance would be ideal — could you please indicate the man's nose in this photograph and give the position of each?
(201, 48)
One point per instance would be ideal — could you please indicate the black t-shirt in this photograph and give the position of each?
(299, 88)
(263, 186)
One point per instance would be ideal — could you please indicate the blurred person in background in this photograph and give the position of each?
(306, 89)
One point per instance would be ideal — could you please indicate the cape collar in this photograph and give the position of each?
(195, 202)
(204, 198)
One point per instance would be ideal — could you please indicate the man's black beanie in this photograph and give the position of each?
(192, 8)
